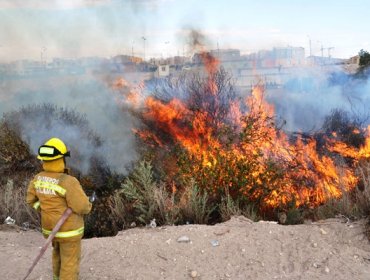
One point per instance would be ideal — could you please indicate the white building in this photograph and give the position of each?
(163, 70)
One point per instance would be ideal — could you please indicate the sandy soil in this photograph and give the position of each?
(236, 249)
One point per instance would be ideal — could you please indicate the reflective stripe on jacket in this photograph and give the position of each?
(39, 185)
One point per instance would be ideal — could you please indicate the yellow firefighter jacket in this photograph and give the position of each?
(53, 191)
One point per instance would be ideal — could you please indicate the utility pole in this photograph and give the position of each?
(329, 49)
(167, 44)
(43, 56)
(144, 39)
(309, 42)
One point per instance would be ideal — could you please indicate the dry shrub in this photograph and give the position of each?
(15, 155)
(362, 197)
(17, 165)
(230, 207)
(354, 204)
(346, 127)
(119, 209)
(13, 204)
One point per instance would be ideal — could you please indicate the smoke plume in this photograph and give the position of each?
(311, 94)
(87, 97)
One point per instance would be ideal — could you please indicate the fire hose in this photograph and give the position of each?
(61, 221)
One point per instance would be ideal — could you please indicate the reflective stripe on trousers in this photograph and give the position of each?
(65, 234)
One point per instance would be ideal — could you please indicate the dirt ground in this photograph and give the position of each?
(236, 249)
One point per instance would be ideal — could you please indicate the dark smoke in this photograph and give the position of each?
(196, 39)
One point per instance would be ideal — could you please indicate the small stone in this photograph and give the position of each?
(153, 224)
(183, 239)
(25, 226)
(282, 218)
(316, 265)
(215, 243)
(323, 231)
(327, 270)
(133, 224)
(168, 241)
(314, 244)
(193, 274)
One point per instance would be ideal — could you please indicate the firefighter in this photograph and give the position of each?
(52, 191)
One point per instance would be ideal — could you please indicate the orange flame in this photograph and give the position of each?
(303, 177)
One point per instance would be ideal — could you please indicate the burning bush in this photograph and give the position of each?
(343, 127)
(197, 127)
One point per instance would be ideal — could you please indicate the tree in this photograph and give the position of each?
(364, 58)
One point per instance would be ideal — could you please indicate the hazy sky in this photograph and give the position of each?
(73, 28)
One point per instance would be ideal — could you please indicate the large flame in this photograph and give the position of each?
(285, 173)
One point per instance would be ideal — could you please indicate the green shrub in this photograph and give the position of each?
(146, 198)
(195, 204)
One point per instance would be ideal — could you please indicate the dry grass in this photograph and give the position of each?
(229, 208)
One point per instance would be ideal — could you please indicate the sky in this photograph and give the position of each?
(30, 29)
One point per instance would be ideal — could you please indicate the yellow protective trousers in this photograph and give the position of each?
(66, 260)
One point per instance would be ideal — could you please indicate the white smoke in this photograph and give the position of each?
(85, 96)
(311, 95)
